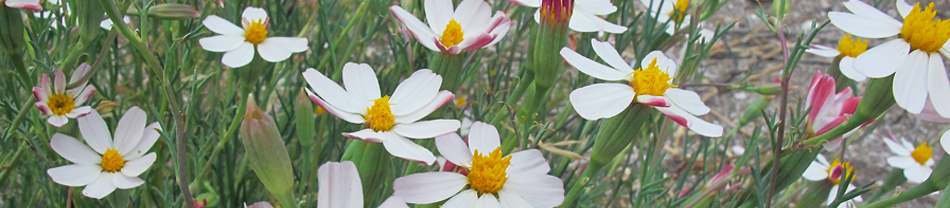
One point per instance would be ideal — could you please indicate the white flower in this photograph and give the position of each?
(109, 164)
(389, 120)
(585, 17)
(650, 85)
(61, 104)
(821, 170)
(106, 24)
(340, 187)
(518, 180)
(848, 49)
(914, 56)
(468, 27)
(672, 11)
(239, 43)
(24, 4)
(916, 162)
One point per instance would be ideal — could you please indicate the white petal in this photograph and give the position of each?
(332, 93)
(823, 51)
(867, 11)
(222, 26)
(527, 3)
(419, 30)
(816, 172)
(73, 150)
(903, 8)
(907, 144)
(427, 129)
(415, 92)
(438, 14)
(664, 63)
(902, 162)
(84, 95)
(586, 22)
(591, 67)
(136, 167)
(510, 199)
(292, 44)
(80, 71)
(945, 141)
(473, 15)
(369, 135)
(57, 121)
(254, 14)
(917, 173)
(221, 43)
(340, 186)
(129, 131)
(910, 82)
(846, 66)
(125, 182)
(822, 160)
(239, 57)
(602, 100)
(393, 202)
(484, 138)
(882, 60)
(487, 201)
(95, 132)
(538, 190)
(273, 51)
(692, 122)
(80, 111)
(430, 187)
(74, 174)
(347, 116)
(465, 199)
(687, 100)
(101, 187)
(453, 148)
(863, 26)
(59, 82)
(529, 161)
(938, 85)
(440, 99)
(360, 81)
(148, 139)
(610, 55)
(895, 147)
(403, 148)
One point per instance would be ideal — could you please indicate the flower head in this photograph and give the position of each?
(59, 103)
(468, 27)
(239, 43)
(821, 170)
(651, 84)
(586, 16)
(848, 49)
(517, 180)
(828, 109)
(110, 164)
(913, 57)
(386, 119)
(917, 161)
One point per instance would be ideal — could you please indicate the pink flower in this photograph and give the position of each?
(470, 26)
(59, 103)
(828, 110)
(24, 4)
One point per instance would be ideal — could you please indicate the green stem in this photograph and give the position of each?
(21, 70)
(222, 142)
(20, 116)
(894, 178)
(919, 191)
(346, 30)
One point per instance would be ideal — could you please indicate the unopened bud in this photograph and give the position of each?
(11, 35)
(766, 89)
(265, 150)
(105, 106)
(173, 11)
(90, 17)
(303, 114)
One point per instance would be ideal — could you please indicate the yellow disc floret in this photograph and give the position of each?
(922, 153)
(923, 32)
(846, 170)
(679, 11)
(379, 117)
(651, 81)
(488, 173)
(851, 47)
(452, 35)
(256, 32)
(111, 161)
(60, 104)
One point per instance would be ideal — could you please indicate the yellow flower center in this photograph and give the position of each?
(850, 47)
(112, 161)
(679, 10)
(922, 153)
(60, 104)
(256, 33)
(651, 81)
(488, 175)
(846, 167)
(379, 117)
(452, 35)
(923, 32)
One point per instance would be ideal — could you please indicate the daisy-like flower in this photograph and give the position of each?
(493, 180)
(239, 43)
(109, 164)
(466, 28)
(23, 4)
(848, 49)
(914, 56)
(828, 110)
(585, 17)
(821, 170)
(61, 104)
(916, 162)
(388, 120)
(672, 11)
(340, 187)
(651, 85)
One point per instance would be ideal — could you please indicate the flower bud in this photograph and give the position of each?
(11, 36)
(303, 114)
(550, 37)
(90, 14)
(265, 150)
(766, 89)
(172, 11)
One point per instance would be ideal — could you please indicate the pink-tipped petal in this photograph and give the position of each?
(419, 30)
(59, 82)
(346, 116)
(339, 186)
(655, 101)
(332, 93)
(367, 135)
(440, 99)
(403, 148)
